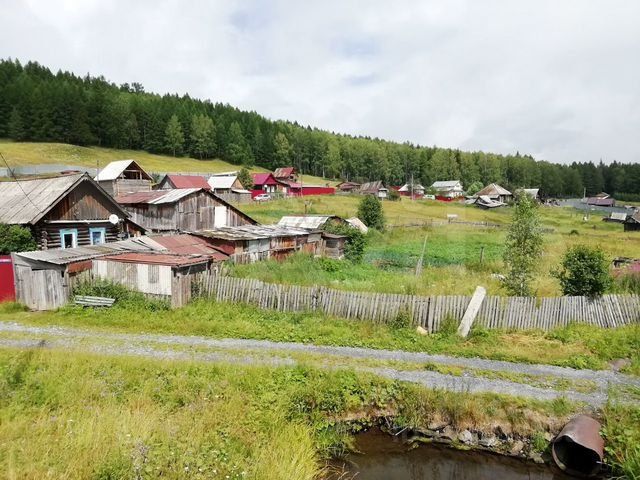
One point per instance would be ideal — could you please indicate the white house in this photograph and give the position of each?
(448, 188)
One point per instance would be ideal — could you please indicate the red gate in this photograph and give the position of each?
(7, 285)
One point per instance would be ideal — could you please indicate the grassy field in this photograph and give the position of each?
(577, 346)
(452, 261)
(27, 153)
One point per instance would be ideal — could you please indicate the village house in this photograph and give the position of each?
(66, 211)
(124, 176)
(286, 174)
(181, 210)
(348, 187)
(173, 181)
(496, 193)
(406, 190)
(632, 223)
(601, 200)
(265, 183)
(376, 189)
(228, 187)
(448, 190)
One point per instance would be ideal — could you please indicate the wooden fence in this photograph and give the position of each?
(428, 312)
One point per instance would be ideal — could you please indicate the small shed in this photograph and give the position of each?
(173, 181)
(124, 176)
(333, 245)
(182, 210)
(66, 211)
(632, 223)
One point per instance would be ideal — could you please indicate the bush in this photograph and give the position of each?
(584, 271)
(393, 195)
(370, 212)
(123, 296)
(14, 238)
(356, 241)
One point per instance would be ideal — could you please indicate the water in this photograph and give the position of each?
(386, 458)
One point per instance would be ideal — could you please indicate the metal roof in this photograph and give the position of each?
(355, 222)
(284, 172)
(63, 256)
(373, 187)
(158, 259)
(185, 244)
(407, 187)
(188, 181)
(156, 197)
(114, 169)
(305, 221)
(263, 178)
(225, 182)
(446, 184)
(252, 232)
(27, 201)
(492, 190)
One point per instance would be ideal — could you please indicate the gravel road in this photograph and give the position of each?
(17, 335)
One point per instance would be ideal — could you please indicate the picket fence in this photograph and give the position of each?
(429, 312)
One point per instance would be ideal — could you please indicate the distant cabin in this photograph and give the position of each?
(182, 210)
(448, 189)
(348, 187)
(632, 223)
(65, 212)
(289, 174)
(496, 193)
(173, 181)
(407, 190)
(376, 189)
(122, 177)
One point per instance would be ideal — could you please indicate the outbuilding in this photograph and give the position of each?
(173, 181)
(496, 193)
(124, 176)
(632, 223)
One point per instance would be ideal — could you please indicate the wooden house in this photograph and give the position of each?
(182, 210)
(228, 187)
(348, 187)
(632, 223)
(124, 176)
(287, 174)
(376, 189)
(266, 183)
(496, 193)
(172, 181)
(415, 191)
(65, 212)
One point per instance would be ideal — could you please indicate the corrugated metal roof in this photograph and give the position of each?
(26, 201)
(114, 169)
(225, 182)
(263, 178)
(156, 197)
(188, 181)
(284, 172)
(158, 259)
(305, 221)
(492, 190)
(186, 244)
(252, 232)
(63, 256)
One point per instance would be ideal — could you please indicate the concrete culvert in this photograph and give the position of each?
(578, 448)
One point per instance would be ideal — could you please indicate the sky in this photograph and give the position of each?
(559, 80)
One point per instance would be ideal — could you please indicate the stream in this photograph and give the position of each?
(382, 457)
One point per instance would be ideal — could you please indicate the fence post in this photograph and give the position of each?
(472, 311)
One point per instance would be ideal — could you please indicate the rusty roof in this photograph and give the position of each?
(156, 197)
(168, 259)
(185, 244)
(188, 181)
(284, 172)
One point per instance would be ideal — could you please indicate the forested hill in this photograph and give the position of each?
(38, 105)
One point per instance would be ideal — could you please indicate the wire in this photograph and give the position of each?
(13, 175)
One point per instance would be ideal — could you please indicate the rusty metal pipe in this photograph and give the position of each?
(578, 449)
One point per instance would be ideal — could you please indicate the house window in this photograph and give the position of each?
(69, 238)
(97, 235)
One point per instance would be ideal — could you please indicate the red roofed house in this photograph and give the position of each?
(171, 181)
(265, 183)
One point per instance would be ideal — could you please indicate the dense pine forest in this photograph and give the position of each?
(38, 105)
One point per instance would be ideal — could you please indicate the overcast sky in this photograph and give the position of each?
(557, 79)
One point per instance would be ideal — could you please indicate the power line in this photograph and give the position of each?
(13, 175)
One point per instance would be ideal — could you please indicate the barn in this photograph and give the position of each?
(181, 210)
(124, 176)
(65, 212)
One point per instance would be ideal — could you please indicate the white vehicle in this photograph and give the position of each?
(430, 197)
(263, 197)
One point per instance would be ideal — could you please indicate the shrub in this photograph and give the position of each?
(355, 244)
(584, 271)
(14, 238)
(370, 212)
(393, 195)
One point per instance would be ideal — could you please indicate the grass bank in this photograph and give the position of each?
(577, 346)
(66, 415)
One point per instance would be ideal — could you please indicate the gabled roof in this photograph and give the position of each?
(493, 190)
(186, 244)
(156, 197)
(407, 187)
(223, 182)
(264, 179)
(115, 169)
(532, 192)
(635, 218)
(372, 187)
(27, 201)
(187, 181)
(446, 184)
(252, 232)
(284, 172)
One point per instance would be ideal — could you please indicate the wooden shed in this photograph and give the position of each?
(65, 212)
(632, 223)
(182, 210)
(124, 176)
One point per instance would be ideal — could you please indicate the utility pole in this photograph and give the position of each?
(412, 187)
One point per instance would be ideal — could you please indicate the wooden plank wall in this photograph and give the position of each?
(429, 312)
(41, 289)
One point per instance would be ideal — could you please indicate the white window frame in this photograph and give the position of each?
(74, 237)
(102, 231)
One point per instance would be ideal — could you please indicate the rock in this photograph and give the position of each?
(548, 436)
(619, 364)
(516, 447)
(466, 437)
(437, 425)
(421, 331)
(448, 433)
(489, 441)
(536, 457)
